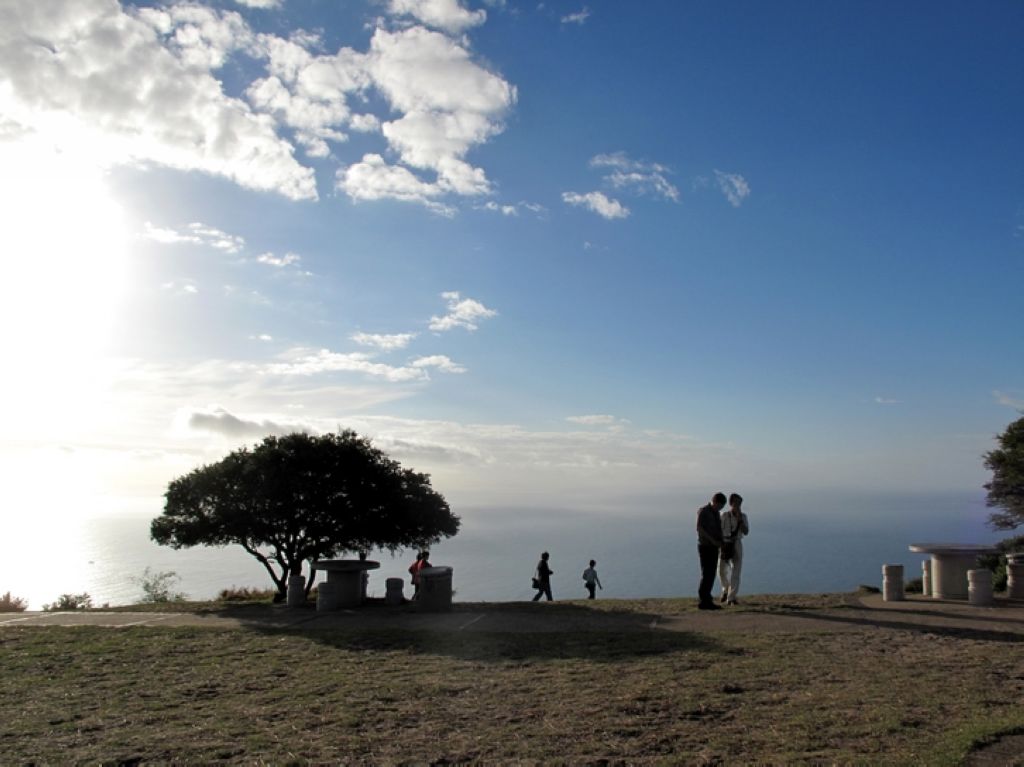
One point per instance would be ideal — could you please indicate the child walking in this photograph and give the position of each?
(591, 581)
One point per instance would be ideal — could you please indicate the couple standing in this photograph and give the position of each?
(720, 545)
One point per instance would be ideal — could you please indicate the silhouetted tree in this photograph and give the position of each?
(299, 497)
(1006, 490)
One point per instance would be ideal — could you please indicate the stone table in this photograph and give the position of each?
(344, 584)
(950, 563)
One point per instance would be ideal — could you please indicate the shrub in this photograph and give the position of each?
(158, 587)
(246, 594)
(914, 586)
(9, 604)
(70, 602)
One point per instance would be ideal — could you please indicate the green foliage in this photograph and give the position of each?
(997, 562)
(67, 602)
(914, 586)
(1006, 490)
(10, 604)
(159, 587)
(300, 497)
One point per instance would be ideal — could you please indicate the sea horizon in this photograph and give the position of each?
(831, 542)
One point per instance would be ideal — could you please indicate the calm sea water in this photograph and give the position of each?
(798, 544)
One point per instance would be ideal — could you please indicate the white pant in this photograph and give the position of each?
(729, 572)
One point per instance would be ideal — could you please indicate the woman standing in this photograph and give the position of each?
(735, 528)
(542, 578)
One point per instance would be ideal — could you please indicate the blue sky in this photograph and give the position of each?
(553, 253)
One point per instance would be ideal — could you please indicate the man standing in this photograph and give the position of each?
(709, 541)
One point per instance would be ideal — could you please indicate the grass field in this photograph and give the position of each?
(98, 695)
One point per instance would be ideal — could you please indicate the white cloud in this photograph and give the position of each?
(439, 361)
(306, 363)
(448, 15)
(636, 176)
(195, 234)
(262, 337)
(130, 87)
(374, 179)
(511, 209)
(886, 401)
(733, 186)
(462, 313)
(593, 420)
(384, 342)
(598, 203)
(279, 261)
(580, 17)
(264, 4)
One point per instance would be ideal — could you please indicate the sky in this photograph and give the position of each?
(556, 254)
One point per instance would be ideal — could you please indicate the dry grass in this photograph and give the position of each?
(95, 695)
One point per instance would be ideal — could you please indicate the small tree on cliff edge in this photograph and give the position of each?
(296, 498)
(1006, 490)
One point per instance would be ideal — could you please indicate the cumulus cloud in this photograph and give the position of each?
(384, 342)
(195, 234)
(636, 176)
(462, 313)
(220, 421)
(135, 86)
(598, 203)
(580, 17)
(511, 209)
(375, 179)
(448, 15)
(279, 261)
(733, 186)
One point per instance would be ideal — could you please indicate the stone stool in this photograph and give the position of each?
(1015, 580)
(394, 595)
(296, 590)
(328, 596)
(892, 583)
(979, 587)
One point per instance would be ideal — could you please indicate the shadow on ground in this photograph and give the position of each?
(506, 632)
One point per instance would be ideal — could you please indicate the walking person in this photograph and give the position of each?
(591, 581)
(709, 541)
(735, 528)
(542, 578)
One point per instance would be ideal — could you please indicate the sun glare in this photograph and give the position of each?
(64, 250)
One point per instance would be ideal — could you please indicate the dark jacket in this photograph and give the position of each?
(709, 526)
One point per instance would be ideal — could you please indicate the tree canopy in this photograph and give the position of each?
(300, 497)
(1006, 490)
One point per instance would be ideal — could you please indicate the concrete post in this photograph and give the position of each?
(394, 595)
(1015, 580)
(892, 583)
(979, 588)
(926, 578)
(296, 590)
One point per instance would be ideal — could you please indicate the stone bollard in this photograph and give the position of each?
(926, 578)
(1015, 580)
(296, 590)
(328, 596)
(892, 583)
(435, 593)
(979, 587)
(394, 595)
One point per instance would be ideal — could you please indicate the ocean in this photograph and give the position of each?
(806, 543)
